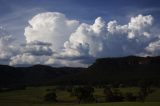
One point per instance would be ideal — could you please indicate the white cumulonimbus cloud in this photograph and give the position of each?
(35, 52)
(51, 27)
(154, 48)
(37, 48)
(7, 47)
(28, 59)
(110, 39)
(55, 40)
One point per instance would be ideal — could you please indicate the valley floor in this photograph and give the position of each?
(34, 96)
(97, 104)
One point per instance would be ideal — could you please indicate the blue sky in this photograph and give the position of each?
(15, 16)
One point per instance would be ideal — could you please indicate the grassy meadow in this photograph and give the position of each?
(34, 96)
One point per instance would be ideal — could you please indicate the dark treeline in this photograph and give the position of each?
(86, 94)
(122, 71)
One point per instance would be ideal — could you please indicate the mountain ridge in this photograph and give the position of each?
(130, 69)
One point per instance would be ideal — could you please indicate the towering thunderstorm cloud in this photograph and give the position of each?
(53, 39)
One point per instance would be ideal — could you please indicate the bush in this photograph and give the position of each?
(130, 97)
(108, 94)
(50, 97)
(141, 97)
(84, 94)
(113, 96)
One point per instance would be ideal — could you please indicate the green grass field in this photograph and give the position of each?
(98, 104)
(34, 96)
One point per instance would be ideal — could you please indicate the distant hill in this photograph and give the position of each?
(129, 70)
(126, 70)
(34, 75)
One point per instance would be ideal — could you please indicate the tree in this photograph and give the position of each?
(113, 96)
(118, 96)
(50, 97)
(84, 94)
(130, 97)
(108, 94)
(141, 97)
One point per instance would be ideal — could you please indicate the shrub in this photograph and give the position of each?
(113, 96)
(130, 97)
(84, 94)
(50, 97)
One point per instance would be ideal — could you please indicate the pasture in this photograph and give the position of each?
(34, 96)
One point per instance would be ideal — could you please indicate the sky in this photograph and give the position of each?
(74, 33)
